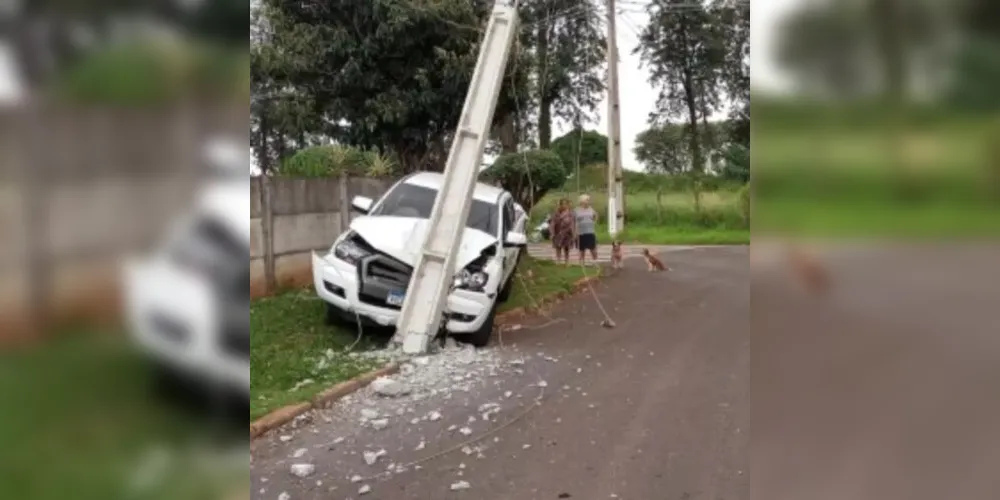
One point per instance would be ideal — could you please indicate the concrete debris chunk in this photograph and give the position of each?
(299, 453)
(434, 416)
(303, 470)
(389, 388)
(284, 496)
(371, 457)
(369, 414)
(357, 479)
(380, 424)
(364, 490)
(461, 486)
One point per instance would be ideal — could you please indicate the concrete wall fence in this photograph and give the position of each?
(80, 188)
(291, 218)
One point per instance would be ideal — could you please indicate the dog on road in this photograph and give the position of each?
(653, 263)
(617, 255)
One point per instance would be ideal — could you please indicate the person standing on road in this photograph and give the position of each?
(563, 227)
(586, 229)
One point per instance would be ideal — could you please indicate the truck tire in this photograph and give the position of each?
(482, 337)
(504, 294)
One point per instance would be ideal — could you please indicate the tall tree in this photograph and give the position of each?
(850, 48)
(569, 53)
(664, 149)
(684, 47)
(734, 19)
(381, 74)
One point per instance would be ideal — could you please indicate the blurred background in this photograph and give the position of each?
(876, 118)
(105, 110)
(878, 141)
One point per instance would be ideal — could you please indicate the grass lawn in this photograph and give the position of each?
(670, 218)
(677, 235)
(540, 279)
(291, 344)
(79, 416)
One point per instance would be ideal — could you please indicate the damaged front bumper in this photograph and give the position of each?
(374, 291)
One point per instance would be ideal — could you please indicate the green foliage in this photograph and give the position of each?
(327, 161)
(667, 148)
(978, 75)
(379, 74)
(581, 148)
(594, 179)
(151, 74)
(735, 160)
(719, 210)
(663, 149)
(744, 195)
(528, 175)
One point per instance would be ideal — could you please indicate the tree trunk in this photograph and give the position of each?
(263, 151)
(508, 134)
(709, 142)
(888, 19)
(544, 102)
(697, 161)
(691, 98)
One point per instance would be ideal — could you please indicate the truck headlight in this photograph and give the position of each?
(350, 251)
(474, 281)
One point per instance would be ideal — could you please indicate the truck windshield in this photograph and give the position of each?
(210, 246)
(408, 200)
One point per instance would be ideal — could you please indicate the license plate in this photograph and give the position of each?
(395, 298)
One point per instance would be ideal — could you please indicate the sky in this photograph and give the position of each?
(637, 96)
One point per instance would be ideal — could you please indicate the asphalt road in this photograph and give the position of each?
(654, 409)
(885, 390)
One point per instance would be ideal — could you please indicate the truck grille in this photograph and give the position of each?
(235, 341)
(389, 271)
(381, 276)
(169, 328)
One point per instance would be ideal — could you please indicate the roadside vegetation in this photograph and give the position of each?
(82, 419)
(930, 172)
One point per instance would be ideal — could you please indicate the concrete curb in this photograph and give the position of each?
(282, 416)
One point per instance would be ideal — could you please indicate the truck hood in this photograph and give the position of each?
(402, 237)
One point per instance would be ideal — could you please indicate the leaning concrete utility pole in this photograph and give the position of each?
(616, 190)
(423, 313)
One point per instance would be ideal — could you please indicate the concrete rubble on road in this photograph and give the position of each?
(303, 470)
(456, 383)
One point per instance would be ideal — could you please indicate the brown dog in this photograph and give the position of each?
(653, 263)
(617, 255)
(809, 269)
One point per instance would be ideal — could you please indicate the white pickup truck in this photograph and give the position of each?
(188, 302)
(366, 273)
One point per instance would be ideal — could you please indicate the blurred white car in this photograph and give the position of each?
(366, 273)
(188, 303)
(543, 232)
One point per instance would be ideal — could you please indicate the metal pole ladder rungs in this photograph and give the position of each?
(423, 309)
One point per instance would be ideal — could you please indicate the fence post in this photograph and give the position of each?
(345, 201)
(659, 205)
(267, 232)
